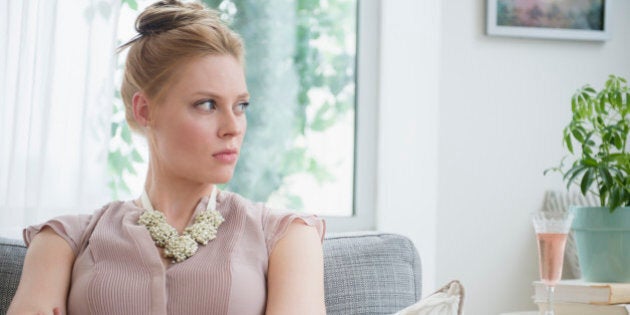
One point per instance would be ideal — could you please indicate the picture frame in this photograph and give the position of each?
(587, 20)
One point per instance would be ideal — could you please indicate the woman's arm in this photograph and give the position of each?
(295, 279)
(45, 276)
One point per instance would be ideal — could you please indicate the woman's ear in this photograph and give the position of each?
(140, 107)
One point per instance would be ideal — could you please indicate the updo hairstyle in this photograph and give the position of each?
(171, 33)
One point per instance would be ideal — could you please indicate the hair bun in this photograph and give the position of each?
(166, 15)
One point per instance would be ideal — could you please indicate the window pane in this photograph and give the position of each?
(298, 152)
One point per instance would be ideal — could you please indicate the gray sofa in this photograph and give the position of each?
(365, 272)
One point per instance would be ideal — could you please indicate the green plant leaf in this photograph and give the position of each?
(614, 199)
(587, 180)
(589, 162)
(605, 176)
(589, 89)
(136, 157)
(126, 134)
(123, 186)
(573, 173)
(617, 142)
(128, 166)
(615, 157)
(577, 134)
(116, 162)
(133, 4)
(295, 202)
(603, 193)
(551, 169)
(568, 142)
(600, 120)
(113, 129)
(589, 142)
(587, 151)
(615, 98)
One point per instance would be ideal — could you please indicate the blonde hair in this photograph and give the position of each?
(171, 33)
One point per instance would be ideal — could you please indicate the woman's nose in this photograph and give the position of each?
(231, 125)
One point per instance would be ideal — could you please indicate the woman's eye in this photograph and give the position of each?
(240, 107)
(208, 105)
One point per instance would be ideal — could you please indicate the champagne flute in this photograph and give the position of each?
(552, 229)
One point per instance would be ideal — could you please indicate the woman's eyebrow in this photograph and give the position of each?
(217, 96)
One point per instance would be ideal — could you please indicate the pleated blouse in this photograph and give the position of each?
(119, 270)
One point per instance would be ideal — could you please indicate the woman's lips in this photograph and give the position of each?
(227, 156)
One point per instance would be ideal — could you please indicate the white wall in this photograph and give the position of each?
(467, 124)
(407, 129)
(503, 104)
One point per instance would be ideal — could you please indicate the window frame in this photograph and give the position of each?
(366, 127)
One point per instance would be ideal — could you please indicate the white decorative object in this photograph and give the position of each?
(448, 300)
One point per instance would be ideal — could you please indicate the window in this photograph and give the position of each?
(305, 134)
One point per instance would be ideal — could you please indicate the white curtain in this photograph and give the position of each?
(57, 64)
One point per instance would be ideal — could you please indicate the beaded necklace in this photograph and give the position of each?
(181, 247)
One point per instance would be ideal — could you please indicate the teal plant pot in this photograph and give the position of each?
(603, 243)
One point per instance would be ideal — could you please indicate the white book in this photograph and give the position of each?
(578, 291)
(563, 308)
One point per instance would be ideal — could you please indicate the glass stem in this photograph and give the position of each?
(550, 291)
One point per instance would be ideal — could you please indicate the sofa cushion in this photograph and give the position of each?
(370, 273)
(11, 258)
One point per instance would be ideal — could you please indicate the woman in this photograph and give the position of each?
(202, 251)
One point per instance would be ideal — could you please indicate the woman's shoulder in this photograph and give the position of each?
(72, 227)
(273, 222)
(235, 201)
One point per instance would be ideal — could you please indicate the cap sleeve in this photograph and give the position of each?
(69, 227)
(275, 225)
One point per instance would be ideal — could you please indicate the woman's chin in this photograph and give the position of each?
(221, 178)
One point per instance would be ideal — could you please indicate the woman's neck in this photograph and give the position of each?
(174, 196)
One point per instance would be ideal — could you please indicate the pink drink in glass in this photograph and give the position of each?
(550, 255)
(551, 232)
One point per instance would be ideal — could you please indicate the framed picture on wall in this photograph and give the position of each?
(554, 19)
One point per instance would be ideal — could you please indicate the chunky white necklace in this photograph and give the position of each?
(180, 247)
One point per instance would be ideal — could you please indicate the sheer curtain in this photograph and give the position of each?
(56, 91)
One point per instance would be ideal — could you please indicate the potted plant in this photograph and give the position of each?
(597, 140)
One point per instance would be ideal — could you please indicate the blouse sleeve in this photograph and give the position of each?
(275, 225)
(69, 227)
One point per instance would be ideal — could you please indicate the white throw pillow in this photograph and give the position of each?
(448, 300)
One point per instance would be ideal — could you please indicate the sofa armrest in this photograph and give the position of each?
(370, 273)
(11, 259)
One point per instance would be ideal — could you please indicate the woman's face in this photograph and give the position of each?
(198, 127)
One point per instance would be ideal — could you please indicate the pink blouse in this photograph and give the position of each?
(118, 268)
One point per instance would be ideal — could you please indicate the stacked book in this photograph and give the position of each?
(576, 297)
